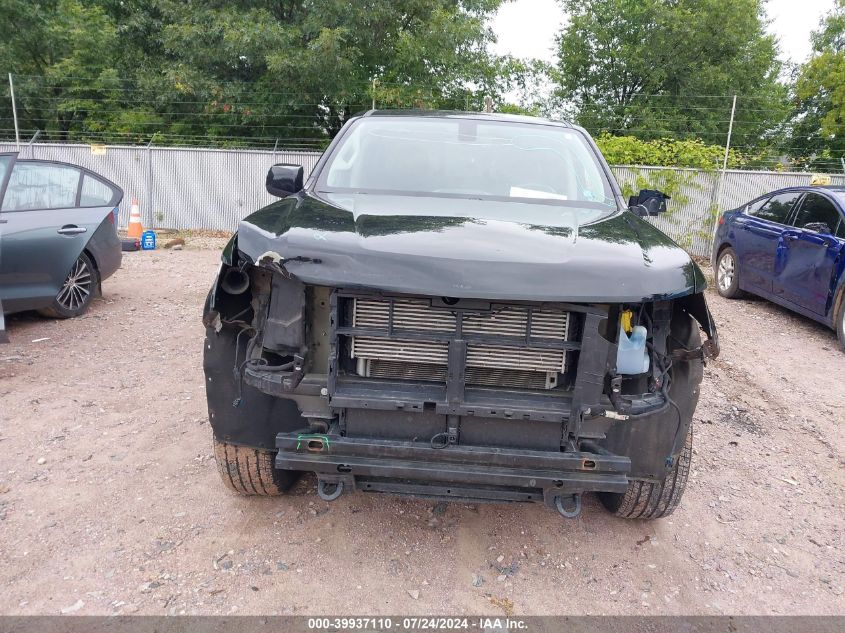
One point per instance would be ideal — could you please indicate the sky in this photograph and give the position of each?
(527, 28)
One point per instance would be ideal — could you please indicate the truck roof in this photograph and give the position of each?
(458, 114)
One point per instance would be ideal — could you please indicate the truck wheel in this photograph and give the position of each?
(727, 274)
(653, 500)
(250, 471)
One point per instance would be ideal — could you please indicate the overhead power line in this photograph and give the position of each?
(232, 113)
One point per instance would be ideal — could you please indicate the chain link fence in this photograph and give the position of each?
(697, 195)
(193, 188)
(178, 188)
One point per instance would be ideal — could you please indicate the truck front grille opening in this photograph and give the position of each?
(507, 345)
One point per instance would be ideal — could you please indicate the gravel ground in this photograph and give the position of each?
(110, 500)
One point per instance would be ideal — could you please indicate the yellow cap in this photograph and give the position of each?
(625, 320)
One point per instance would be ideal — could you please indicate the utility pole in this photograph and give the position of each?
(374, 93)
(730, 131)
(488, 104)
(724, 169)
(14, 112)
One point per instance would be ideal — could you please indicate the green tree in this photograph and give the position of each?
(655, 68)
(51, 45)
(818, 134)
(264, 69)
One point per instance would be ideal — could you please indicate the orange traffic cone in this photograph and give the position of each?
(135, 229)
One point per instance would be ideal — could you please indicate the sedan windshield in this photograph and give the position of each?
(470, 158)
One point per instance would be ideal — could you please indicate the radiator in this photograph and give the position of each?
(516, 362)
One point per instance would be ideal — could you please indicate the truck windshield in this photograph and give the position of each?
(469, 158)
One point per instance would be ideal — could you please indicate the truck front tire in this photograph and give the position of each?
(250, 471)
(648, 499)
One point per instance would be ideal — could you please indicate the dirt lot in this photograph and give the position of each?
(110, 501)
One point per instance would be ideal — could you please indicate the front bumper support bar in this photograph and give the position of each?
(478, 472)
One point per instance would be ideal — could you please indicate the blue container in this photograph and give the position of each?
(148, 241)
(632, 355)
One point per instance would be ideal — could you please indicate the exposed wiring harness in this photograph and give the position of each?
(254, 363)
(664, 365)
(238, 369)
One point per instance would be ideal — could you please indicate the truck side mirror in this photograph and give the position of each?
(649, 202)
(283, 180)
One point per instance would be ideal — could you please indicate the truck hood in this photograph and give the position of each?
(468, 248)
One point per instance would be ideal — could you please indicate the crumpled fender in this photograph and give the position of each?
(696, 306)
(230, 251)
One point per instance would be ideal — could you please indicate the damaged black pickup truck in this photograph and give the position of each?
(458, 306)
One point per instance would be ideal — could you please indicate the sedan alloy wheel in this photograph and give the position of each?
(76, 291)
(726, 271)
(727, 274)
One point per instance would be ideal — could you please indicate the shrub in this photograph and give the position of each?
(666, 152)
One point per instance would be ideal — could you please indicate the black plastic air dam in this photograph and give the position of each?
(512, 471)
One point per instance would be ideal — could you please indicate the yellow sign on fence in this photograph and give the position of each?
(820, 179)
(98, 150)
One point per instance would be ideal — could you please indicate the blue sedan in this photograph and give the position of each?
(787, 246)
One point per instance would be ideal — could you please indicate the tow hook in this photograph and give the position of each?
(329, 490)
(569, 506)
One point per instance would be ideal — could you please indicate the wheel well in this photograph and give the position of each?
(722, 247)
(93, 259)
(838, 305)
(97, 268)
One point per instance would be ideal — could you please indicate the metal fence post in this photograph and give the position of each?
(14, 112)
(148, 203)
(31, 145)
